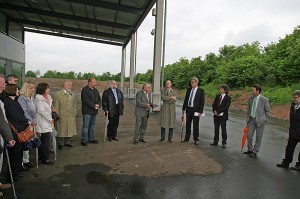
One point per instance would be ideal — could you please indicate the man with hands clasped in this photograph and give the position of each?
(193, 107)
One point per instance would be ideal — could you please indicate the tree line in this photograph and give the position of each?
(72, 75)
(277, 64)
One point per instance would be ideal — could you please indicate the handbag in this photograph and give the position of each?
(55, 116)
(22, 136)
(32, 144)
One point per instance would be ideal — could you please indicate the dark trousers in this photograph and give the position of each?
(189, 119)
(44, 148)
(290, 148)
(15, 154)
(113, 125)
(163, 133)
(220, 121)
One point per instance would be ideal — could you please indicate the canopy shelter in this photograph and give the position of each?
(113, 22)
(104, 21)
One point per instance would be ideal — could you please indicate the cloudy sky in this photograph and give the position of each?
(194, 28)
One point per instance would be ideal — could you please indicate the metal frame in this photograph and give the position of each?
(46, 18)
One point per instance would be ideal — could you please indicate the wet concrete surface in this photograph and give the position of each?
(78, 173)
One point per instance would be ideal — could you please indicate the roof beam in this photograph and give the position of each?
(108, 5)
(72, 37)
(66, 28)
(64, 16)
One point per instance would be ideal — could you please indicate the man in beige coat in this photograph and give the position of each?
(167, 112)
(66, 107)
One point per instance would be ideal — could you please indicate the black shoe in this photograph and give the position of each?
(223, 146)
(84, 143)
(135, 142)
(214, 144)
(68, 145)
(142, 140)
(115, 139)
(283, 164)
(47, 162)
(296, 167)
(24, 168)
(185, 140)
(29, 164)
(109, 139)
(170, 140)
(51, 151)
(253, 154)
(94, 141)
(247, 152)
(196, 142)
(162, 139)
(60, 146)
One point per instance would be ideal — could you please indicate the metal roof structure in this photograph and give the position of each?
(103, 21)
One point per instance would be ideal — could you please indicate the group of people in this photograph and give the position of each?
(258, 112)
(33, 106)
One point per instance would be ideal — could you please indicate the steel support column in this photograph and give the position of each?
(132, 89)
(123, 67)
(157, 62)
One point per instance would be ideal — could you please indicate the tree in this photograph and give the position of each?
(30, 73)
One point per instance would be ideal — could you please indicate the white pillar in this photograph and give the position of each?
(131, 91)
(123, 67)
(157, 62)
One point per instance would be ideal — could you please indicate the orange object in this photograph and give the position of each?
(244, 137)
(182, 121)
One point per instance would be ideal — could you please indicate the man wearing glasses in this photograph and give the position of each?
(193, 107)
(11, 79)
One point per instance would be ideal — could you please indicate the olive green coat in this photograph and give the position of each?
(66, 107)
(168, 111)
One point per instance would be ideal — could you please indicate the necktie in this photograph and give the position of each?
(116, 96)
(253, 109)
(191, 98)
(146, 94)
(220, 101)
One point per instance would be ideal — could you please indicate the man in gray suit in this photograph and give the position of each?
(142, 108)
(257, 113)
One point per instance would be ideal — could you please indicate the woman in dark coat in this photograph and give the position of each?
(15, 116)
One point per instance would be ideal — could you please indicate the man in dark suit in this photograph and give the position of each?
(294, 134)
(220, 110)
(193, 107)
(112, 104)
(142, 108)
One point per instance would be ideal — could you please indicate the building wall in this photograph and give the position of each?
(12, 49)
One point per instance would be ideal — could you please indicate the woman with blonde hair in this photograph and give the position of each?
(26, 100)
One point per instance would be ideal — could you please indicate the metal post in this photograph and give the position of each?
(132, 65)
(164, 48)
(123, 67)
(157, 62)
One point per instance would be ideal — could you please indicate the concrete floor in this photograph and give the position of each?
(107, 171)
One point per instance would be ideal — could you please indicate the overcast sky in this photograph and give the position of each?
(194, 28)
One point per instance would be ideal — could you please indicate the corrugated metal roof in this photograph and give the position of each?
(103, 21)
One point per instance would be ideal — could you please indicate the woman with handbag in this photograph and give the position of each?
(18, 123)
(26, 100)
(44, 121)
